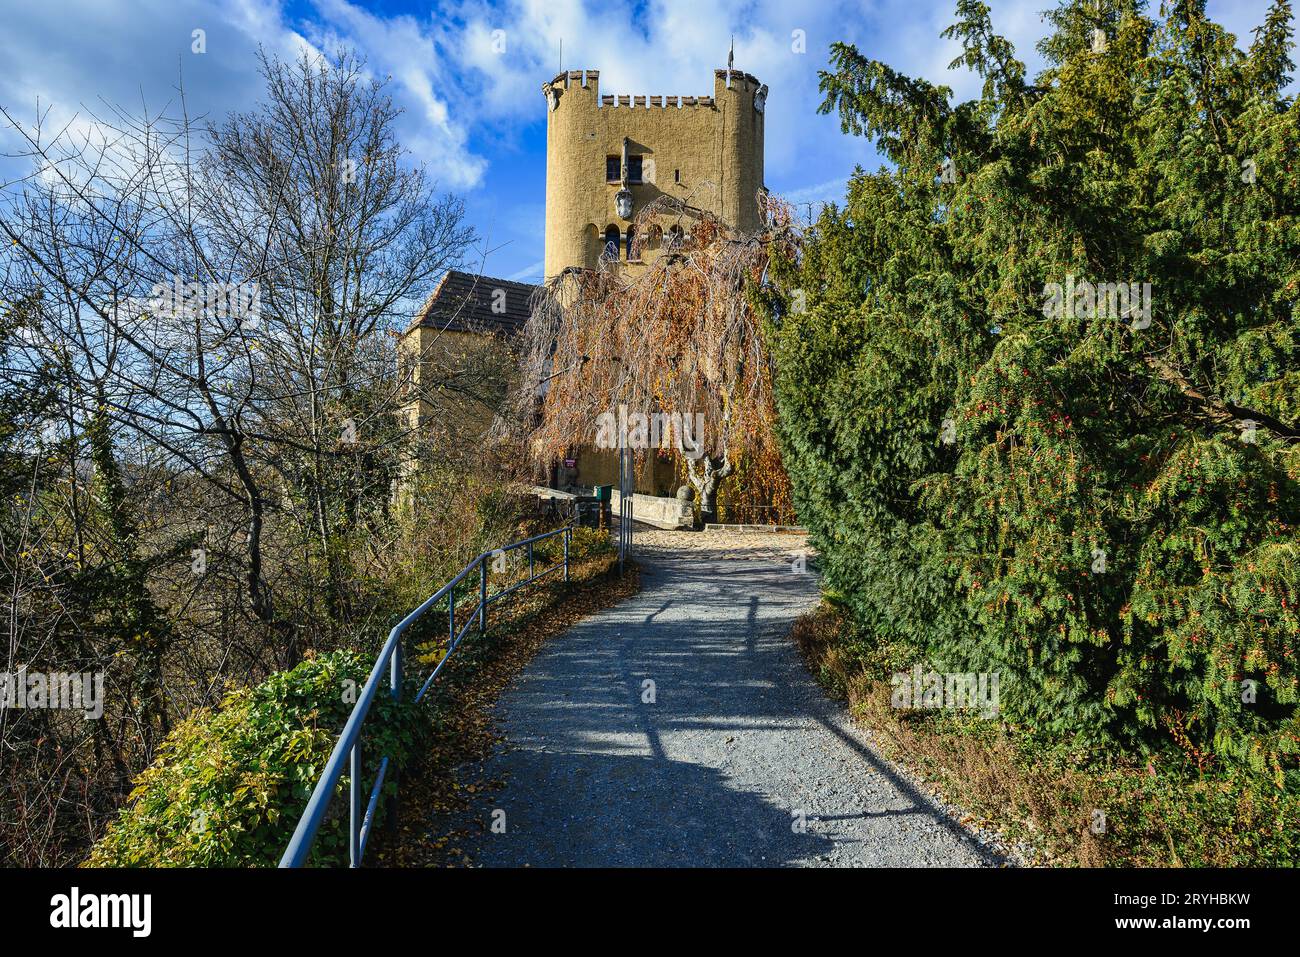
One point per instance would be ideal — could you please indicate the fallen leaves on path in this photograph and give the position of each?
(449, 782)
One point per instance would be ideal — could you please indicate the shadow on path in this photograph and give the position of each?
(680, 728)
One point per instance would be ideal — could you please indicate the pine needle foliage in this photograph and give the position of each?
(1098, 501)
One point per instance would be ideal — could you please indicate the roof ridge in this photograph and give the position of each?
(468, 310)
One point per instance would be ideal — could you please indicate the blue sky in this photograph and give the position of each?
(474, 115)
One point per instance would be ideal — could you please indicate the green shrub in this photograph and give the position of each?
(229, 786)
(1068, 498)
(1042, 790)
(584, 543)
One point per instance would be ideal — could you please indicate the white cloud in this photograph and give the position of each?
(530, 273)
(123, 51)
(470, 102)
(411, 52)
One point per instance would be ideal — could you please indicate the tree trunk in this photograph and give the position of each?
(706, 478)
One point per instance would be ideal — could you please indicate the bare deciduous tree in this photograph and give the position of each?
(214, 311)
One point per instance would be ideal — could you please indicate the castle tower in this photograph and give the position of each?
(704, 152)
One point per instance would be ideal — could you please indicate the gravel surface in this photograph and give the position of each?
(739, 759)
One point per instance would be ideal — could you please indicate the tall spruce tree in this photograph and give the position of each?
(1010, 456)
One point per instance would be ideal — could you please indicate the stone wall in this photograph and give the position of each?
(659, 512)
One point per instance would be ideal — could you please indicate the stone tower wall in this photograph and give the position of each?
(706, 151)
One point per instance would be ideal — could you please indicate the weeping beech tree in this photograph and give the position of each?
(680, 341)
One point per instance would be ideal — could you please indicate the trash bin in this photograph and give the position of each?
(604, 499)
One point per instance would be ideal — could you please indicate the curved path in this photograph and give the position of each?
(732, 757)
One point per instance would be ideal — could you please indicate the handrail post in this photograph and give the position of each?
(354, 826)
(395, 672)
(346, 753)
(395, 689)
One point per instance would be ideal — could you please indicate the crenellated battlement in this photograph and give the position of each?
(581, 77)
(652, 102)
(736, 79)
(587, 84)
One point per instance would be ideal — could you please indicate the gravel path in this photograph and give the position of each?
(720, 760)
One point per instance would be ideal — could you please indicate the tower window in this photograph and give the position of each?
(677, 176)
(611, 243)
(614, 169)
(633, 254)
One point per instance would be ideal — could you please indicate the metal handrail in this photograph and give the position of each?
(348, 747)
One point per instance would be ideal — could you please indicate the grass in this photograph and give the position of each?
(1064, 805)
